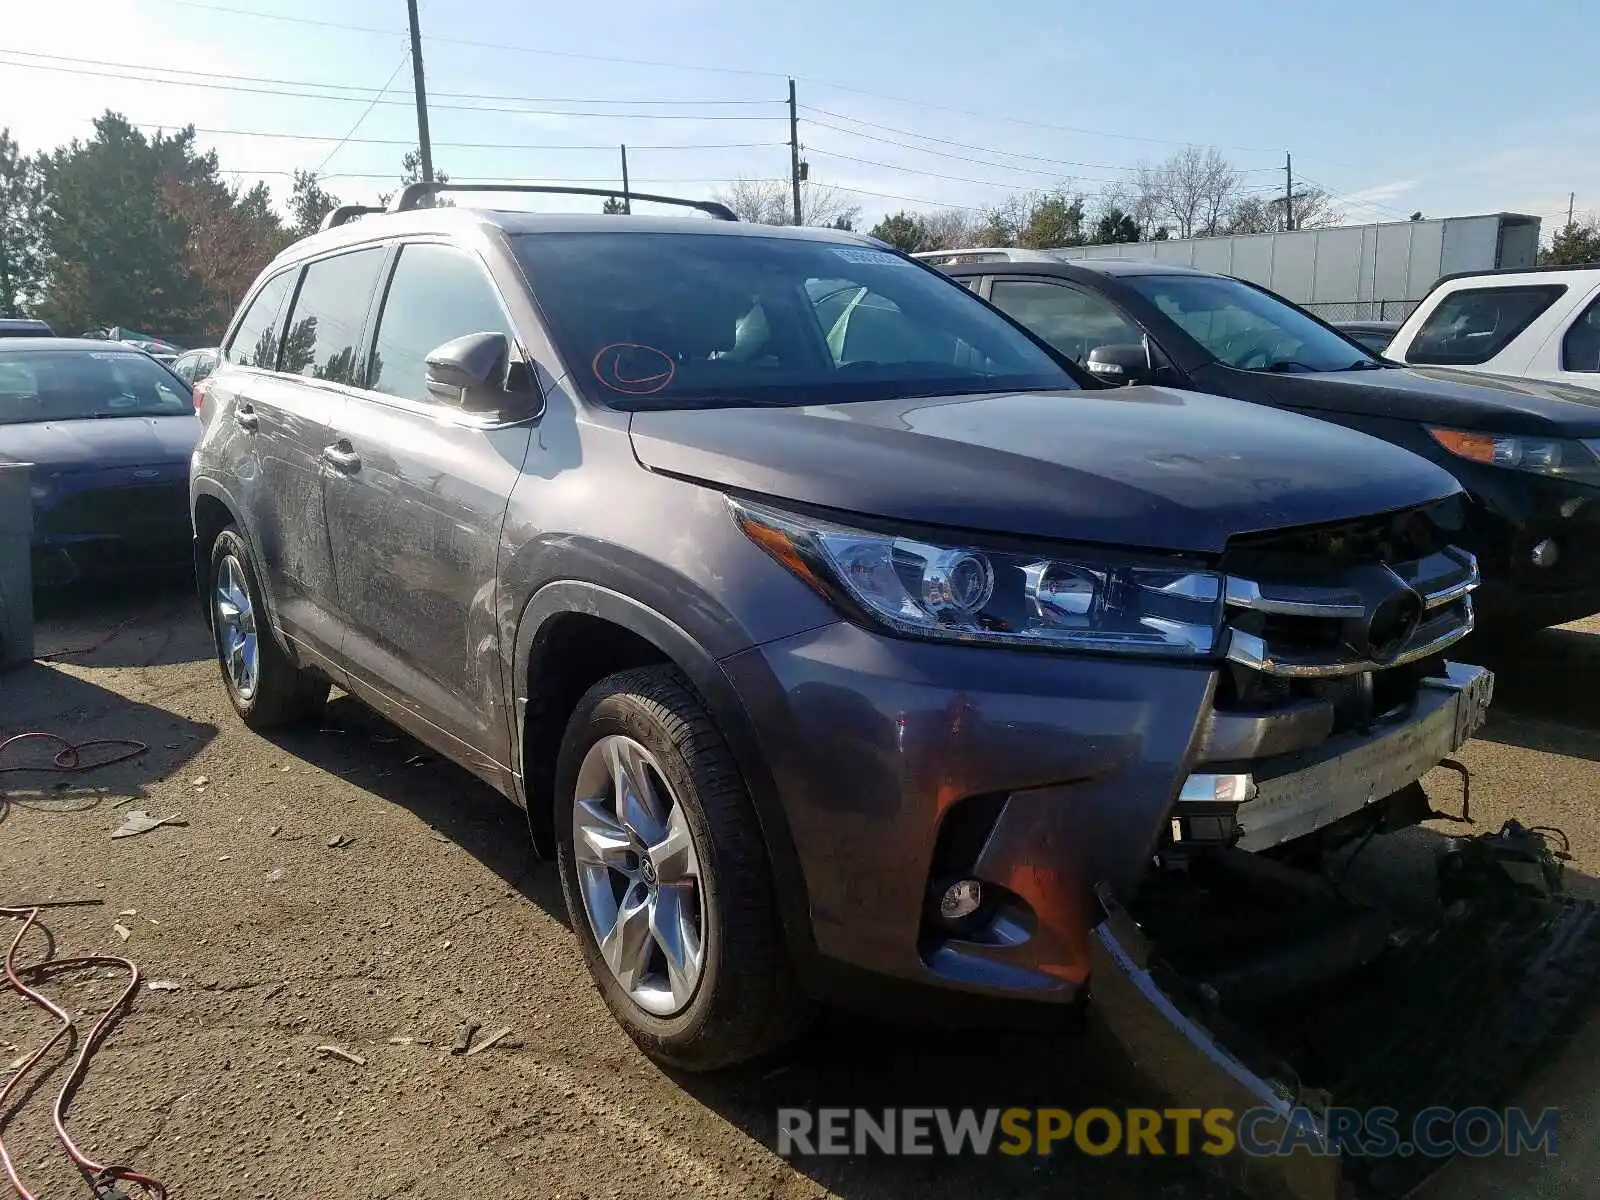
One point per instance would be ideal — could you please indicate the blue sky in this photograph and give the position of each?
(1451, 109)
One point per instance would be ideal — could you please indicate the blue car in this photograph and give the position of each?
(108, 431)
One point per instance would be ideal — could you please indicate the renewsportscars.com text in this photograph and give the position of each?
(1177, 1132)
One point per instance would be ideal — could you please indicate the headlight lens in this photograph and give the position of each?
(1559, 458)
(969, 594)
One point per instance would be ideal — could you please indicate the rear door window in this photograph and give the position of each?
(324, 335)
(1072, 321)
(1580, 348)
(255, 341)
(437, 293)
(1473, 325)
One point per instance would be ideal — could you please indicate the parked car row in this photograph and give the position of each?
(1527, 451)
(108, 431)
(851, 630)
(844, 630)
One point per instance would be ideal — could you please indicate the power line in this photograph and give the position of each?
(360, 88)
(940, 153)
(480, 108)
(365, 113)
(393, 177)
(481, 45)
(855, 191)
(935, 174)
(373, 141)
(1355, 200)
(1064, 162)
(678, 66)
(1074, 129)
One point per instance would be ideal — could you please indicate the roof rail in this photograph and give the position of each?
(412, 195)
(346, 213)
(1536, 269)
(979, 254)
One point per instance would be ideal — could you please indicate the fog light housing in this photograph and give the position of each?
(961, 900)
(1545, 553)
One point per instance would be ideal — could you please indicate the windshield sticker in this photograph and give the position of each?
(866, 257)
(633, 369)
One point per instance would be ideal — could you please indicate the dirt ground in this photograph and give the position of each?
(432, 913)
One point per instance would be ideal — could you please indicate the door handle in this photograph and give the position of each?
(245, 418)
(341, 456)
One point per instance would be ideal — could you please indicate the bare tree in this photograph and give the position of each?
(1189, 194)
(950, 229)
(1313, 209)
(1196, 187)
(1139, 199)
(771, 202)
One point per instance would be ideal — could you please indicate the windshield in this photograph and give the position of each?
(1246, 328)
(65, 385)
(673, 320)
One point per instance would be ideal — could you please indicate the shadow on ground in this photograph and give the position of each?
(40, 699)
(357, 744)
(143, 620)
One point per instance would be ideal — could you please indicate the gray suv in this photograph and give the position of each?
(840, 639)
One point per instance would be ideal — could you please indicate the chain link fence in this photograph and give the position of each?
(1362, 310)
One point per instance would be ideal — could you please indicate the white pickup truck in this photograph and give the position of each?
(1538, 323)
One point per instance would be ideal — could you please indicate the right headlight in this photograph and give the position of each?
(1559, 458)
(963, 593)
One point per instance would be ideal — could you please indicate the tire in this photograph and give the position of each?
(744, 1000)
(277, 692)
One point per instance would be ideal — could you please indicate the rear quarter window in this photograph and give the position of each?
(323, 340)
(1580, 348)
(1472, 325)
(255, 341)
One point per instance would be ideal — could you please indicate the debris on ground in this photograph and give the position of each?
(463, 1040)
(122, 931)
(497, 1036)
(275, 874)
(340, 1052)
(340, 842)
(163, 985)
(138, 821)
(201, 781)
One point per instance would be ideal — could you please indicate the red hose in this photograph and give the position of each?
(68, 760)
(99, 1174)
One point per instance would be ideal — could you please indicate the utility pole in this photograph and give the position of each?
(424, 142)
(1288, 192)
(1572, 198)
(627, 203)
(794, 151)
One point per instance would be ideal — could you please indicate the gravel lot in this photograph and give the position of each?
(432, 914)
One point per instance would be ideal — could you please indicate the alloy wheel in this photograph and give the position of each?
(236, 628)
(639, 872)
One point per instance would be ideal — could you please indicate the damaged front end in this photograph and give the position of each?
(1237, 982)
(1251, 970)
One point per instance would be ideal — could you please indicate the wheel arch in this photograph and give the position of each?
(642, 635)
(212, 510)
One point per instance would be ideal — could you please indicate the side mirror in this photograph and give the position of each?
(1124, 364)
(471, 372)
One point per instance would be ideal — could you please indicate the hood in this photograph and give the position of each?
(1144, 467)
(1442, 396)
(106, 442)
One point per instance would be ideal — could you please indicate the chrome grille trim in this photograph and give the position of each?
(1444, 581)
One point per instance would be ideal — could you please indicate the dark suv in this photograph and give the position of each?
(1526, 450)
(832, 630)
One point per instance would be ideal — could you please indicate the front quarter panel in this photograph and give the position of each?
(669, 545)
